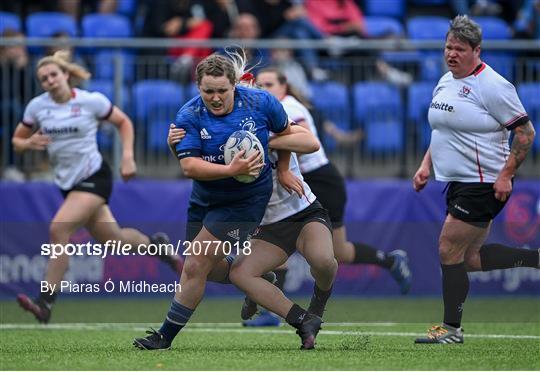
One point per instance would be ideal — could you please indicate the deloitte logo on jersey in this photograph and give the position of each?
(205, 135)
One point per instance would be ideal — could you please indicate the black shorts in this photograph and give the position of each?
(285, 233)
(328, 186)
(99, 183)
(473, 203)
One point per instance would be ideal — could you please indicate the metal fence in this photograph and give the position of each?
(376, 126)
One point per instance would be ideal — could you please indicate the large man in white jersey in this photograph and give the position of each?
(472, 113)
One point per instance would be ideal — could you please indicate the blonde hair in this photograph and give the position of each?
(233, 66)
(62, 59)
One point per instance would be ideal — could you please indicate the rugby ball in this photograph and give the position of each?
(243, 140)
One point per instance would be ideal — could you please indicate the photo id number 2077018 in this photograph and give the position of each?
(209, 247)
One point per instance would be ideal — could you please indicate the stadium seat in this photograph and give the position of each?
(332, 99)
(105, 135)
(9, 21)
(106, 25)
(427, 28)
(156, 103)
(104, 65)
(385, 8)
(529, 94)
(46, 24)
(127, 8)
(418, 99)
(378, 109)
(191, 91)
(501, 62)
(493, 28)
(383, 27)
(376, 100)
(428, 2)
(384, 136)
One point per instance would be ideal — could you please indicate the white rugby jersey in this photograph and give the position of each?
(298, 112)
(72, 127)
(282, 204)
(471, 119)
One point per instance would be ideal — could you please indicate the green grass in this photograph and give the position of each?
(112, 324)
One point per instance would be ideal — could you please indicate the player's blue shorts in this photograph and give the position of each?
(230, 219)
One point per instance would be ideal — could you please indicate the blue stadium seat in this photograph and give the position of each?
(106, 25)
(427, 28)
(501, 62)
(529, 94)
(127, 8)
(378, 108)
(385, 8)
(191, 91)
(376, 100)
(383, 26)
(9, 21)
(105, 135)
(428, 2)
(384, 136)
(45, 24)
(156, 103)
(332, 99)
(493, 28)
(418, 100)
(104, 65)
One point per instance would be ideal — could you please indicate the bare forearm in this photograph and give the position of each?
(303, 143)
(521, 144)
(202, 170)
(127, 137)
(426, 162)
(284, 158)
(19, 144)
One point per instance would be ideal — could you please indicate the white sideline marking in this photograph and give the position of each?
(235, 328)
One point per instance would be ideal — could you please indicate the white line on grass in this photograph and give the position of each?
(234, 328)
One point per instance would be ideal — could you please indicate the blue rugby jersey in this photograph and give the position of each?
(206, 134)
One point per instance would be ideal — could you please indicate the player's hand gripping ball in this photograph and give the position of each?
(243, 140)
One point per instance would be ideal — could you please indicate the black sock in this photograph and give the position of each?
(226, 280)
(498, 256)
(176, 319)
(366, 254)
(295, 316)
(280, 278)
(318, 300)
(47, 297)
(455, 285)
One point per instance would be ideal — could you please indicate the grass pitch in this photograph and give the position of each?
(359, 334)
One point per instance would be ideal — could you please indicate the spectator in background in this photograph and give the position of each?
(222, 14)
(504, 9)
(180, 19)
(344, 18)
(283, 60)
(246, 27)
(14, 78)
(289, 19)
(528, 20)
(337, 17)
(78, 8)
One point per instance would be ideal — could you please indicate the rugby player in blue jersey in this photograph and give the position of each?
(221, 209)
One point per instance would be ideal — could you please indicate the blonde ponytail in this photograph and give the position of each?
(62, 59)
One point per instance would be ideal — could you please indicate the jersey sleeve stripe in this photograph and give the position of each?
(188, 153)
(517, 121)
(27, 124)
(106, 116)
